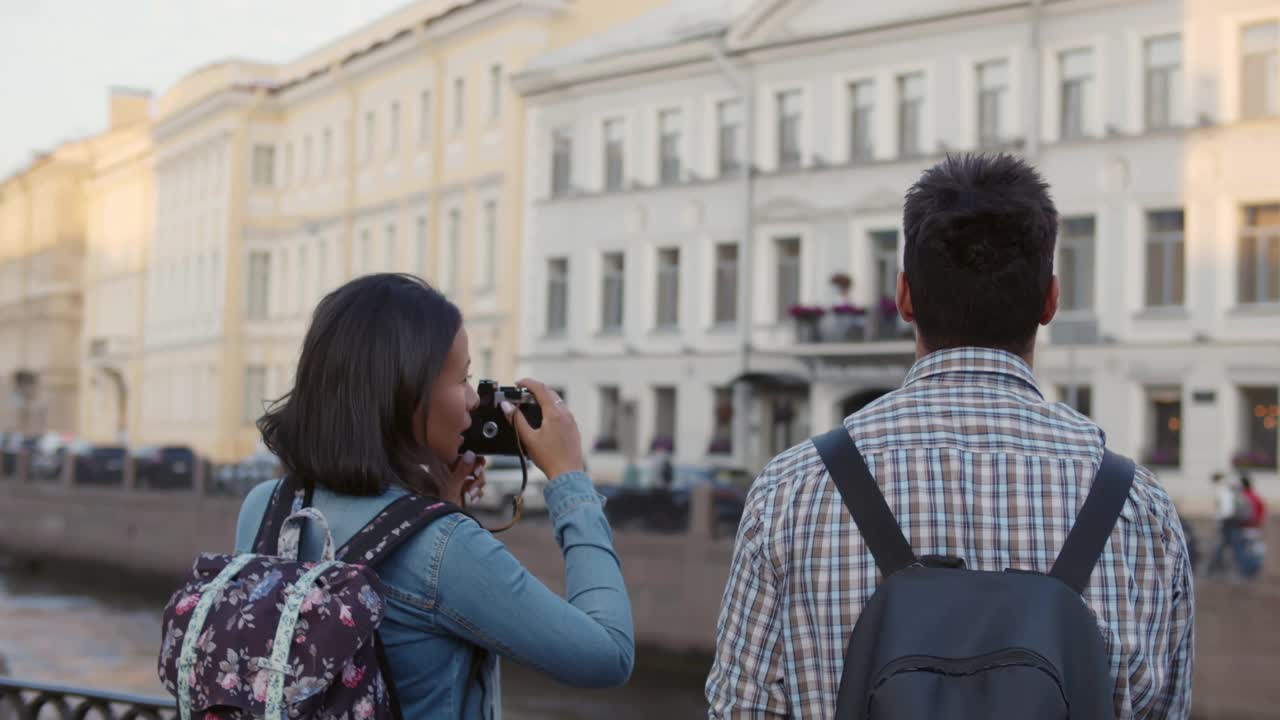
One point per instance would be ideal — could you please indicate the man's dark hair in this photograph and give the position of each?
(368, 363)
(980, 233)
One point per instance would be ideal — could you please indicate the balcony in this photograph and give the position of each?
(848, 324)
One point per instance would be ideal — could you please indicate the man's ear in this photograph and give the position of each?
(905, 310)
(1050, 302)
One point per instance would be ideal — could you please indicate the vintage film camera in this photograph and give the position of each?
(490, 433)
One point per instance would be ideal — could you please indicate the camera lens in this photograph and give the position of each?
(489, 430)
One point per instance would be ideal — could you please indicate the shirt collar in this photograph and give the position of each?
(999, 366)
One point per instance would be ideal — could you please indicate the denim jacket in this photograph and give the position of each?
(457, 599)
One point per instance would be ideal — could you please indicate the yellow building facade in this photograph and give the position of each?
(397, 147)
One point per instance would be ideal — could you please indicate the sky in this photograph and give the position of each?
(58, 58)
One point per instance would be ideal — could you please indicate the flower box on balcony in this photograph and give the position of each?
(805, 312)
(605, 444)
(847, 310)
(720, 446)
(1162, 457)
(1255, 459)
(662, 443)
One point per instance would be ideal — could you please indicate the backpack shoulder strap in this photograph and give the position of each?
(1092, 528)
(279, 507)
(396, 523)
(864, 500)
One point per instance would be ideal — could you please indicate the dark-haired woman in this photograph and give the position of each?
(380, 400)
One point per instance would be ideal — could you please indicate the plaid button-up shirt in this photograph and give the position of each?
(974, 463)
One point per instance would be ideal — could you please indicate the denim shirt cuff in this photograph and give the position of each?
(568, 491)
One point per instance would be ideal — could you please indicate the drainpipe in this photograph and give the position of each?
(746, 93)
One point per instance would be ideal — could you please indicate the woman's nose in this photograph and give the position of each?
(473, 399)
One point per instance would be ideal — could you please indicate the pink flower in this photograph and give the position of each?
(351, 675)
(186, 604)
(315, 597)
(229, 681)
(344, 614)
(260, 685)
(364, 709)
(300, 640)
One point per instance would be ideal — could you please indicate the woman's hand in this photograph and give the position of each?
(466, 477)
(556, 446)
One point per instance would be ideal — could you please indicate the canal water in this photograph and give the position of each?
(74, 631)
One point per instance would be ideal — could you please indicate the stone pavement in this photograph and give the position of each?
(1238, 638)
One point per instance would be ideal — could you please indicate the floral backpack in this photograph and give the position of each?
(265, 635)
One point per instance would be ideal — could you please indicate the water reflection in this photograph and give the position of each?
(75, 629)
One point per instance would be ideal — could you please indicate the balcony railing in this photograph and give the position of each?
(848, 324)
(21, 700)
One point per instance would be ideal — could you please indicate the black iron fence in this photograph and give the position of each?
(21, 700)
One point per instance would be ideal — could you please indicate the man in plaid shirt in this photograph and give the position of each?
(974, 464)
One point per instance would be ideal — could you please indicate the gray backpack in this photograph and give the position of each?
(938, 640)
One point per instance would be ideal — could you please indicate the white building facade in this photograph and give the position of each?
(677, 298)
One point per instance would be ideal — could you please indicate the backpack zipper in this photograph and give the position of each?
(968, 666)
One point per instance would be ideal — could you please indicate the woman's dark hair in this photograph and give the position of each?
(980, 232)
(368, 363)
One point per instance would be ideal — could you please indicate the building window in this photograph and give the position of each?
(1260, 71)
(459, 104)
(370, 132)
(884, 249)
(664, 419)
(910, 114)
(489, 245)
(255, 393)
(729, 136)
(453, 263)
(862, 105)
(326, 152)
(1077, 397)
(993, 89)
(1260, 416)
(420, 245)
(366, 252)
(306, 158)
(495, 93)
(722, 421)
(1075, 263)
(612, 296)
(561, 161)
(264, 160)
(257, 297)
(322, 265)
(393, 129)
(613, 154)
(1259, 255)
(610, 419)
(1165, 258)
(669, 146)
(1164, 439)
(726, 284)
(391, 260)
(787, 253)
(668, 311)
(424, 117)
(557, 296)
(1163, 81)
(790, 115)
(287, 178)
(304, 292)
(1076, 70)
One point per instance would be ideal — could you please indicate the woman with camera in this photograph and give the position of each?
(381, 399)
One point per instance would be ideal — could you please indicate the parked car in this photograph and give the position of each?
(649, 504)
(239, 478)
(167, 467)
(98, 464)
(502, 483)
(47, 454)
